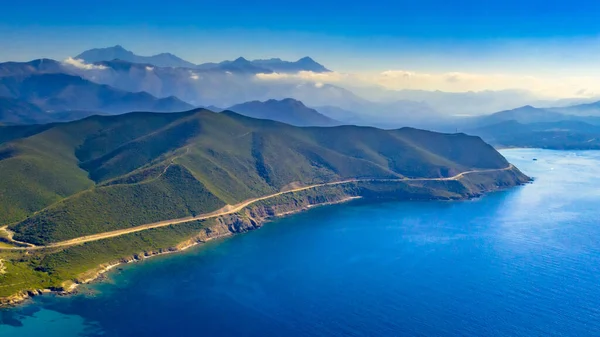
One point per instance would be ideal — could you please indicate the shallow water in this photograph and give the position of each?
(523, 262)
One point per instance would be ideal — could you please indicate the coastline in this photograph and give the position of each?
(71, 287)
(253, 216)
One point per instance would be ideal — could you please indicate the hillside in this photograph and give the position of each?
(289, 111)
(105, 173)
(529, 114)
(561, 135)
(39, 66)
(62, 92)
(14, 111)
(108, 189)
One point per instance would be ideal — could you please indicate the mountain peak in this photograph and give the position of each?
(118, 52)
(287, 110)
(291, 101)
(306, 59)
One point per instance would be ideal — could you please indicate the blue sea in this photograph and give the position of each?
(521, 262)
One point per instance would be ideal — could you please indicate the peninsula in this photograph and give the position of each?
(83, 196)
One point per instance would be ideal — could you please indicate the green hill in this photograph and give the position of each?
(103, 173)
(110, 172)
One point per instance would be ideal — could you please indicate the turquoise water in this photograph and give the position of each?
(523, 262)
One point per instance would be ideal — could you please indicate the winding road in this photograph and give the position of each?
(229, 209)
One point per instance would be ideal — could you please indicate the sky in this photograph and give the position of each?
(549, 46)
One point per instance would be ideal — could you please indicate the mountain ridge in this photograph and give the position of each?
(287, 110)
(118, 52)
(61, 95)
(240, 64)
(242, 157)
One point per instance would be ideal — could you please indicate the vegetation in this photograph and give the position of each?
(52, 267)
(103, 173)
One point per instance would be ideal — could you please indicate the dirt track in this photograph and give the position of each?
(229, 209)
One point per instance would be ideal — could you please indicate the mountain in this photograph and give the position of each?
(274, 65)
(560, 135)
(304, 64)
(119, 53)
(40, 66)
(144, 167)
(343, 115)
(14, 111)
(105, 173)
(19, 112)
(289, 111)
(529, 114)
(526, 114)
(238, 66)
(63, 92)
(587, 109)
(470, 103)
(212, 86)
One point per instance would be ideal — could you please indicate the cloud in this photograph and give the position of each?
(80, 64)
(401, 79)
(303, 76)
(148, 68)
(194, 76)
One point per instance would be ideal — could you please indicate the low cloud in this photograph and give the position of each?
(400, 79)
(80, 64)
(194, 76)
(303, 76)
(149, 68)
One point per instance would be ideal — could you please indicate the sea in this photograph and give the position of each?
(520, 262)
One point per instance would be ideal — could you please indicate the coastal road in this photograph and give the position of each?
(229, 209)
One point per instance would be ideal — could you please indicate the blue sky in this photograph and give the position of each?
(536, 37)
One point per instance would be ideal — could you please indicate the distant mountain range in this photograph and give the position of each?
(42, 91)
(15, 111)
(289, 111)
(239, 65)
(534, 127)
(528, 114)
(219, 85)
(40, 66)
(560, 135)
(119, 53)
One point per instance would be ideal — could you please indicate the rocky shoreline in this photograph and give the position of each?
(225, 226)
(254, 216)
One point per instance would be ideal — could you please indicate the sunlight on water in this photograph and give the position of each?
(523, 262)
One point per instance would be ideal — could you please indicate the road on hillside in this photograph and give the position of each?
(229, 209)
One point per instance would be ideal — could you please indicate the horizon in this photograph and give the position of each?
(396, 45)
